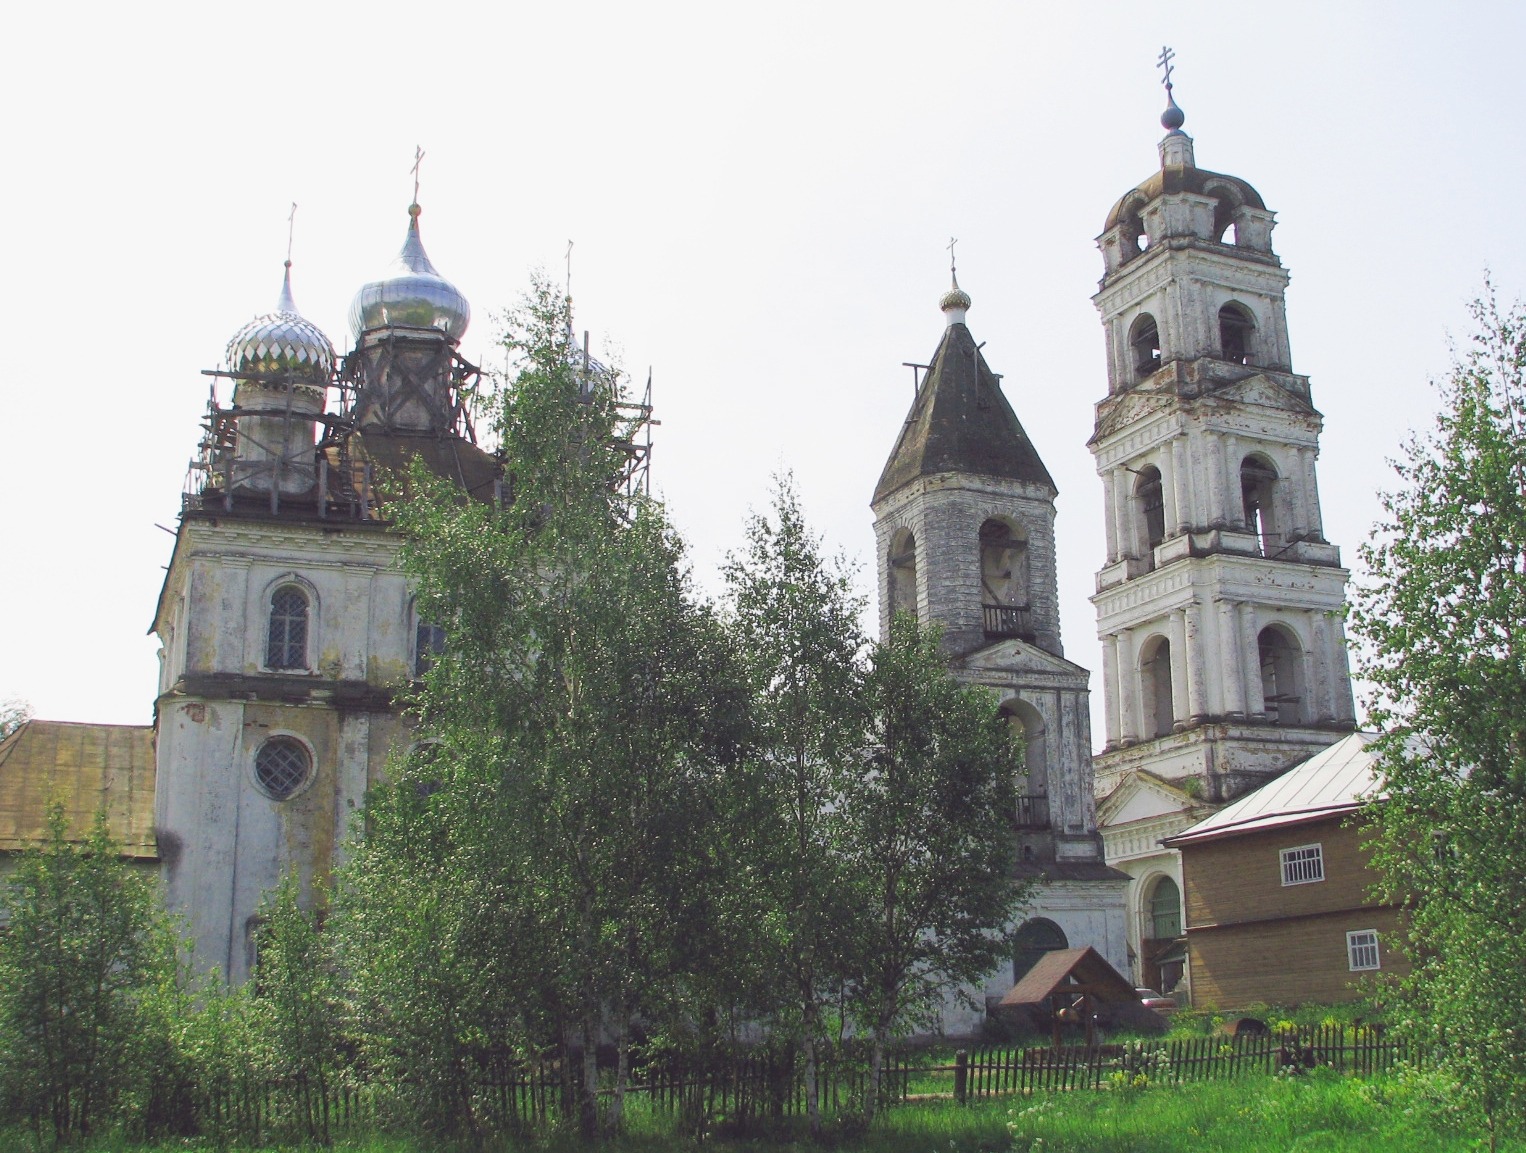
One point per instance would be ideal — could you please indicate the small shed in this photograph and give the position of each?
(1077, 986)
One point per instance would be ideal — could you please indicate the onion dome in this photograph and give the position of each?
(283, 343)
(411, 294)
(1173, 117)
(955, 302)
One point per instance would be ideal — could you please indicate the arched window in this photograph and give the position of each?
(1155, 677)
(1151, 500)
(1144, 340)
(1281, 680)
(286, 639)
(1032, 941)
(282, 766)
(1004, 579)
(1258, 492)
(1027, 726)
(902, 566)
(428, 643)
(1165, 910)
(1237, 333)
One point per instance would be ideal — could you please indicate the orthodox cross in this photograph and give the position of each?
(1166, 56)
(418, 159)
(952, 240)
(291, 227)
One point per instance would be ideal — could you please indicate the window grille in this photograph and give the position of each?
(281, 767)
(1303, 864)
(286, 642)
(1362, 949)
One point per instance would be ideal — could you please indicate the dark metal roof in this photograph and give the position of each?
(1173, 178)
(961, 422)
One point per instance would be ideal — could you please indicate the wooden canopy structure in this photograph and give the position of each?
(1077, 986)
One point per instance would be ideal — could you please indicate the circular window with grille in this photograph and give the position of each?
(282, 767)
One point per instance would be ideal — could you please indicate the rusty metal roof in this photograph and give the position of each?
(86, 768)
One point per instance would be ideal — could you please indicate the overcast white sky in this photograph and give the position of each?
(760, 197)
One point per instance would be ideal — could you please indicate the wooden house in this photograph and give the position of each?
(1278, 889)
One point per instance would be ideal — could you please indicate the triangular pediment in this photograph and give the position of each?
(1264, 392)
(1134, 407)
(1143, 797)
(1017, 656)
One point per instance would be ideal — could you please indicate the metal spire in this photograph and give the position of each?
(1173, 117)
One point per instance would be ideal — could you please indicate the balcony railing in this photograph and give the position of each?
(1032, 812)
(1008, 621)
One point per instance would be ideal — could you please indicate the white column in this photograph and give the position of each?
(1123, 512)
(1250, 652)
(1231, 667)
(1193, 658)
(1110, 688)
(1180, 710)
(1128, 689)
(1344, 709)
(1319, 703)
(1168, 493)
(1217, 514)
(1298, 483)
(1188, 516)
(1234, 509)
(1110, 518)
(1311, 488)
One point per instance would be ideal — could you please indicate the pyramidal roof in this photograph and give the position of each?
(961, 422)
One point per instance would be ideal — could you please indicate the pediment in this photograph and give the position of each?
(1134, 407)
(1143, 797)
(1018, 656)
(1264, 392)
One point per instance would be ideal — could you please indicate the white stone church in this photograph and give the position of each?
(286, 625)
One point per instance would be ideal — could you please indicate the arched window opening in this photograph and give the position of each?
(1032, 941)
(1155, 675)
(281, 767)
(1281, 687)
(428, 643)
(1165, 910)
(286, 639)
(1258, 492)
(1151, 499)
(1237, 331)
(1004, 580)
(1144, 340)
(1027, 726)
(902, 566)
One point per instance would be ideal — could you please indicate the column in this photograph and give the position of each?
(1109, 519)
(1123, 512)
(1217, 514)
(1340, 686)
(1311, 489)
(1234, 509)
(1110, 688)
(1197, 707)
(1189, 516)
(1172, 516)
(1128, 689)
(1298, 482)
(1231, 667)
(1180, 709)
(1250, 652)
(1319, 703)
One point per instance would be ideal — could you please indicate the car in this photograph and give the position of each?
(1150, 999)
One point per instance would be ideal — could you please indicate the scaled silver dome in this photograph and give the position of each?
(283, 342)
(411, 294)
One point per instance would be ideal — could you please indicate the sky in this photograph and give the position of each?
(760, 199)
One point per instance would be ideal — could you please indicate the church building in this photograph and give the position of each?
(1220, 603)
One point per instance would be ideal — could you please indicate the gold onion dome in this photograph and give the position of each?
(955, 298)
(411, 294)
(283, 344)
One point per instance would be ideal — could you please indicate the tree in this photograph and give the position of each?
(13, 714)
(86, 944)
(795, 619)
(1443, 615)
(929, 837)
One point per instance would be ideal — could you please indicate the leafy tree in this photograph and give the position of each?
(13, 714)
(795, 619)
(929, 838)
(86, 943)
(1443, 615)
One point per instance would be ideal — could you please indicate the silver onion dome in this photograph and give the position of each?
(411, 294)
(282, 343)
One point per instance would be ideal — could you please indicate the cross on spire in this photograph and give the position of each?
(952, 240)
(1166, 56)
(418, 159)
(291, 227)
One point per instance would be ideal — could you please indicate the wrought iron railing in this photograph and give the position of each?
(1032, 812)
(1008, 621)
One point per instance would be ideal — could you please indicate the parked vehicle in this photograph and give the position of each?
(1150, 999)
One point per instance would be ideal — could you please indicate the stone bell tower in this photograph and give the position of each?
(964, 526)
(1219, 605)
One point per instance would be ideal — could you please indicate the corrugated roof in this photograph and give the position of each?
(1337, 780)
(86, 767)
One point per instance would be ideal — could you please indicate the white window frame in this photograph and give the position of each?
(1303, 864)
(1362, 946)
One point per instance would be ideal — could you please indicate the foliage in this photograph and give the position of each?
(13, 714)
(928, 838)
(85, 948)
(1444, 619)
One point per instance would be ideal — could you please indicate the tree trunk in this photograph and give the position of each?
(876, 1064)
(589, 1112)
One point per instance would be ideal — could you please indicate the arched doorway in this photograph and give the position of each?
(1032, 941)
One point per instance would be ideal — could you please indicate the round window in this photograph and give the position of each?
(281, 767)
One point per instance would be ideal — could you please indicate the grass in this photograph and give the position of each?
(1321, 1112)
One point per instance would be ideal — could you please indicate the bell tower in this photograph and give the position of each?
(1219, 605)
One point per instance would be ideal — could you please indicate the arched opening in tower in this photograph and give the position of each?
(1237, 331)
(1281, 680)
(901, 568)
(1144, 340)
(1155, 678)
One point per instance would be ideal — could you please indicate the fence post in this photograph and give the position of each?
(961, 1076)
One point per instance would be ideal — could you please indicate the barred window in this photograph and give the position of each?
(428, 643)
(1362, 949)
(282, 766)
(1303, 864)
(286, 642)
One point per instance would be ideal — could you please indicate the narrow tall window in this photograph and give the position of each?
(1280, 660)
(1165, 910)
(286, 640)
(902, 572)
(1237, 330)
(1258, 496)
(428, 643)
(1155, 670)
(1152, 505)
(1144, 339)
(1004, 580)
(1362, 950)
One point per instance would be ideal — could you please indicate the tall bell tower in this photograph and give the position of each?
(1219, 605)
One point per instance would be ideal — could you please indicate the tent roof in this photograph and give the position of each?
(1084, 968)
